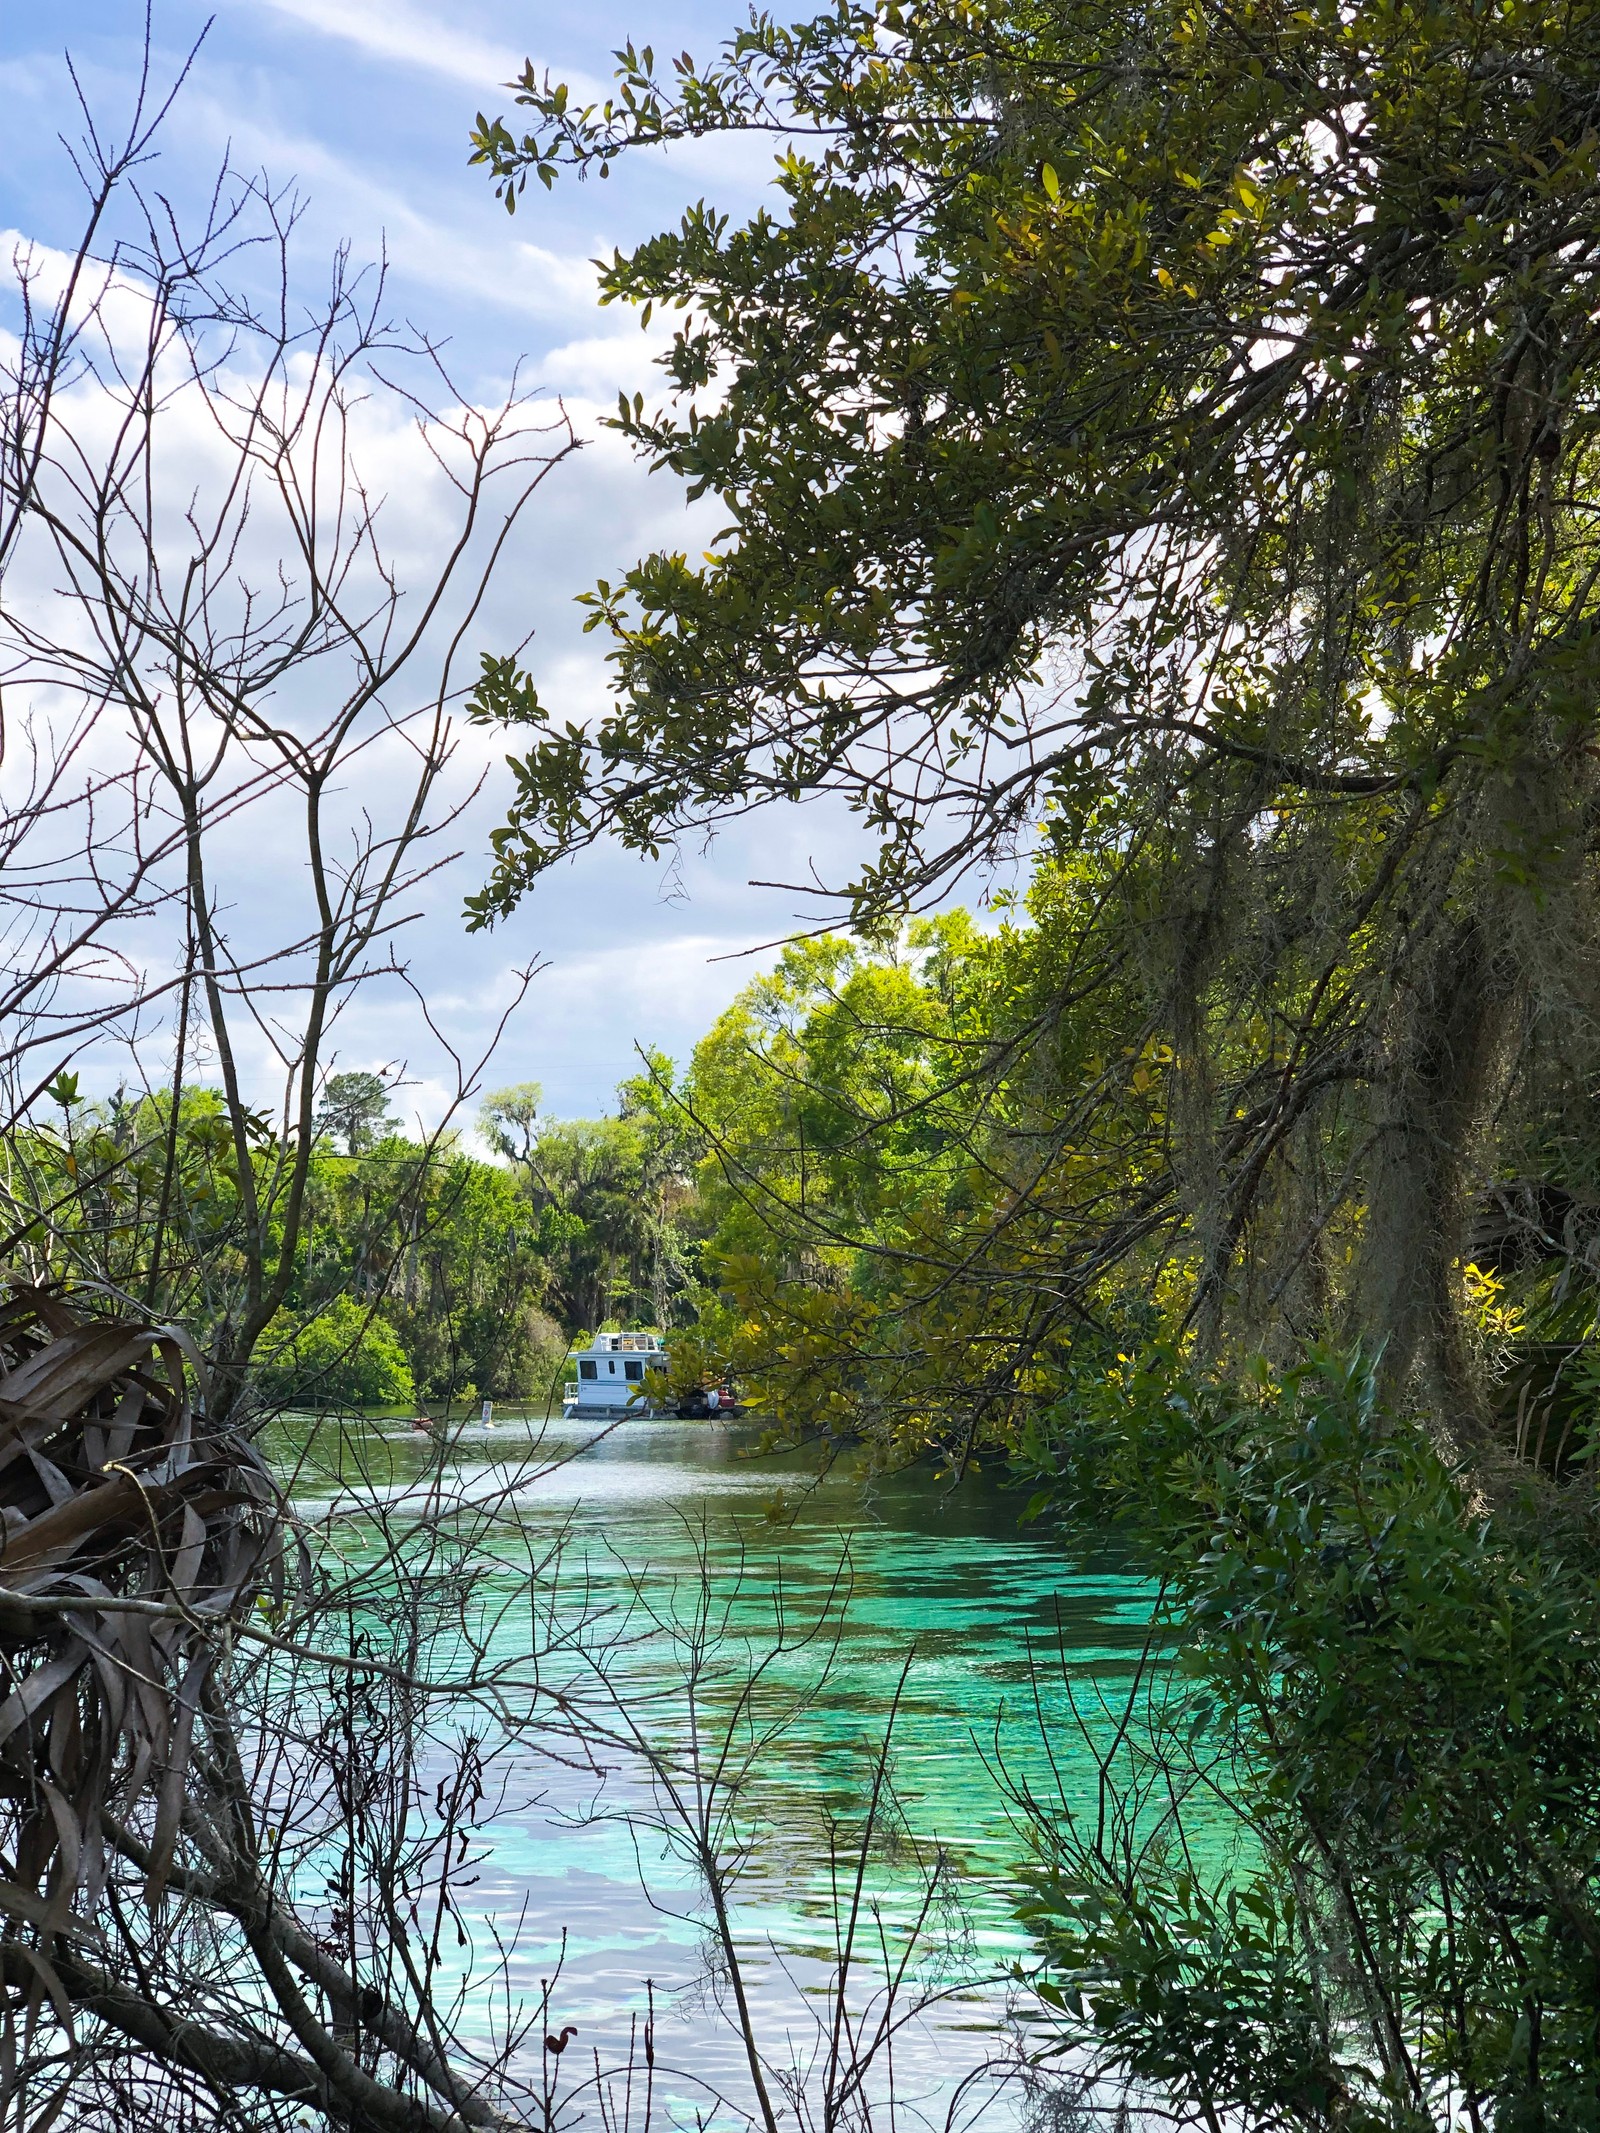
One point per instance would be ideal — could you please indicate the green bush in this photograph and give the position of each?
(1401, 1682)
(342, 1356)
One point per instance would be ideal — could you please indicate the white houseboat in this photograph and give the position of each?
(610, 1379)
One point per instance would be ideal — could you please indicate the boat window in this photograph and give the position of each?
(633, 1370)
(587, 1370)
(612, 1368)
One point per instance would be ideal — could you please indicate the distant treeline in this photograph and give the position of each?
(423, 1272)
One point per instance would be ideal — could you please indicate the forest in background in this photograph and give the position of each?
(421, 1273)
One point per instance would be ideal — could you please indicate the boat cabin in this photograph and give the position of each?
(610, 1374)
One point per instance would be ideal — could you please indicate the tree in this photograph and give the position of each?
(355, 1106)
(906, 1155)
(1176, 427)
(1179, 427)
(469, 1284)
(609, 1198)
(1399, 1698)
(242, 652)
(509, 1119)
(343, 1355)
(204, 643)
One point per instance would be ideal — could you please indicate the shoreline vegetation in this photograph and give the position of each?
(1155, 449)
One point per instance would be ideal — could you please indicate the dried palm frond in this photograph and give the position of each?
(131, 1536)
(135, 1539)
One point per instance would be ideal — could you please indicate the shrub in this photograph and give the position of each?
(1402, 1684)
(343, 1355)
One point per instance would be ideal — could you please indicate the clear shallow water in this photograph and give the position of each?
(987, 1623)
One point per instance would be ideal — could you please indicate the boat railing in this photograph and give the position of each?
(570, 1391)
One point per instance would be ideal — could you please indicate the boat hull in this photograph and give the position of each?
(608, 1402)
(691, 1409)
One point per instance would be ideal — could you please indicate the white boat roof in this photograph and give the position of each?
(623, 1344)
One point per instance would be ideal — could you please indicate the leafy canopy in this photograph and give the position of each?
(1106, 386)
(355, 1107)
(1174, 425)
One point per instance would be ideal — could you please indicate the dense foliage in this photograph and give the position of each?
(611, 1201)
(907, 1156)
(1159, 443)
(1177, 426)
(421, 1271)
(1407, 1697)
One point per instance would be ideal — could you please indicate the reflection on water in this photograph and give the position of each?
(938, 1576)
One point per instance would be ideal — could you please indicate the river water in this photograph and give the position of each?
(1003, 1652)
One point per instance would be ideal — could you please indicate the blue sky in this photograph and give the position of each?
(367, 105)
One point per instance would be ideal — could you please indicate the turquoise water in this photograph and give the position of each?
(782, 1615)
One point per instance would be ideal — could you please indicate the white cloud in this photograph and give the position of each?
(403, 35)
(603, 364)
(684, 981)
(406, 36)
(365, 103)
(626, 958)
(487, 261)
